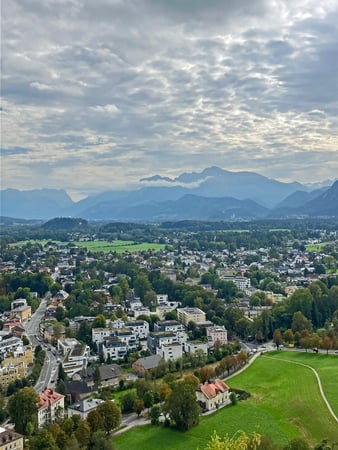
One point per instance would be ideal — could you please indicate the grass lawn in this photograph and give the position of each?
(284, 403)
(118, 246)
(317, 247)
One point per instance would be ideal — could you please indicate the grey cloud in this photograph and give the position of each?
(168, 85)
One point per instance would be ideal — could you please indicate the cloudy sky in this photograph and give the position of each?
(98, 94)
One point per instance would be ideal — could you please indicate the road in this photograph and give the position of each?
(48, 373)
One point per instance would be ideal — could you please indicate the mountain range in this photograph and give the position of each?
(212, 194)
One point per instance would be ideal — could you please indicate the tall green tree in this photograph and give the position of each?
(182, 407)
(23, 408)
(43, 440)
(111, 415)
(82, 433)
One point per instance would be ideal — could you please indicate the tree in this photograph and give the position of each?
(100, 441)
(182, 407)
(23, 407)
(150, 299)
(61, 373)
(300, 322)
(148, 399)
(99, 321)
(155, 414)
(165, 391)
(138, 406)
(95, 420)
(127, 402)
(142, 285)
(82, 433)
(43, 440)
(327, 343)
(277, 338)
(111, 415)
(97, 376)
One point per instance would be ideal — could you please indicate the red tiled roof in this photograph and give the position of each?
(211, 389)
(49, 397)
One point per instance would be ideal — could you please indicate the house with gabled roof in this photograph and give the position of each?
(143, 365)
(50, 408)
(213, 394)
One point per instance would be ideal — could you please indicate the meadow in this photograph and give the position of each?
(285, 403)
(317, 247)
(117, 246)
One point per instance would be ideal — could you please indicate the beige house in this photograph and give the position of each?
(213, 394)
(10, 439)
(186, 315)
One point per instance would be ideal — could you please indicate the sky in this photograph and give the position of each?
(99, 94)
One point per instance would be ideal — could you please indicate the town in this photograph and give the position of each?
(84, 326)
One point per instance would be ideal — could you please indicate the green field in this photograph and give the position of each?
(317, 247)
(285, 403)
(103, 246)
(118, 246)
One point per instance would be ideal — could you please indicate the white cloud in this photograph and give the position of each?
(114, 91)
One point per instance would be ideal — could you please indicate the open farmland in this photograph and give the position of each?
(118, 246)
(285, 403)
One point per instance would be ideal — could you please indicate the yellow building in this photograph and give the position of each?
(15, 367)
(10, 439)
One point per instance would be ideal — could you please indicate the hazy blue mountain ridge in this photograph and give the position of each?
(213, 194)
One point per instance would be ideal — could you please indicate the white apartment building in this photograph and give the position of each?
(140, 328)
(127, 337)
(100, 334)
(170, 351)
(194, 346)
(242, 283)
(157, 339)
(51, 407)
(75, 355)
(114, 348)
(8, 343)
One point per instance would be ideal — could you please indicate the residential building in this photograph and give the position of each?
(242, 283)
(114, 348)
(10, 439)
(75, 355)
(172, 326)
(83, 407)
(140, 328)
(170, 351)
(8, 344)
(51, 407)
(143, 365)
(100, 334)
(127, 336)
(16, 366)
(157, 339)
(217, 333)
(213, 394)
(193, 347)
(22, 312)
(188, 314)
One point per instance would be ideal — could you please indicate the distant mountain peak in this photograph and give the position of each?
(156, 178)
